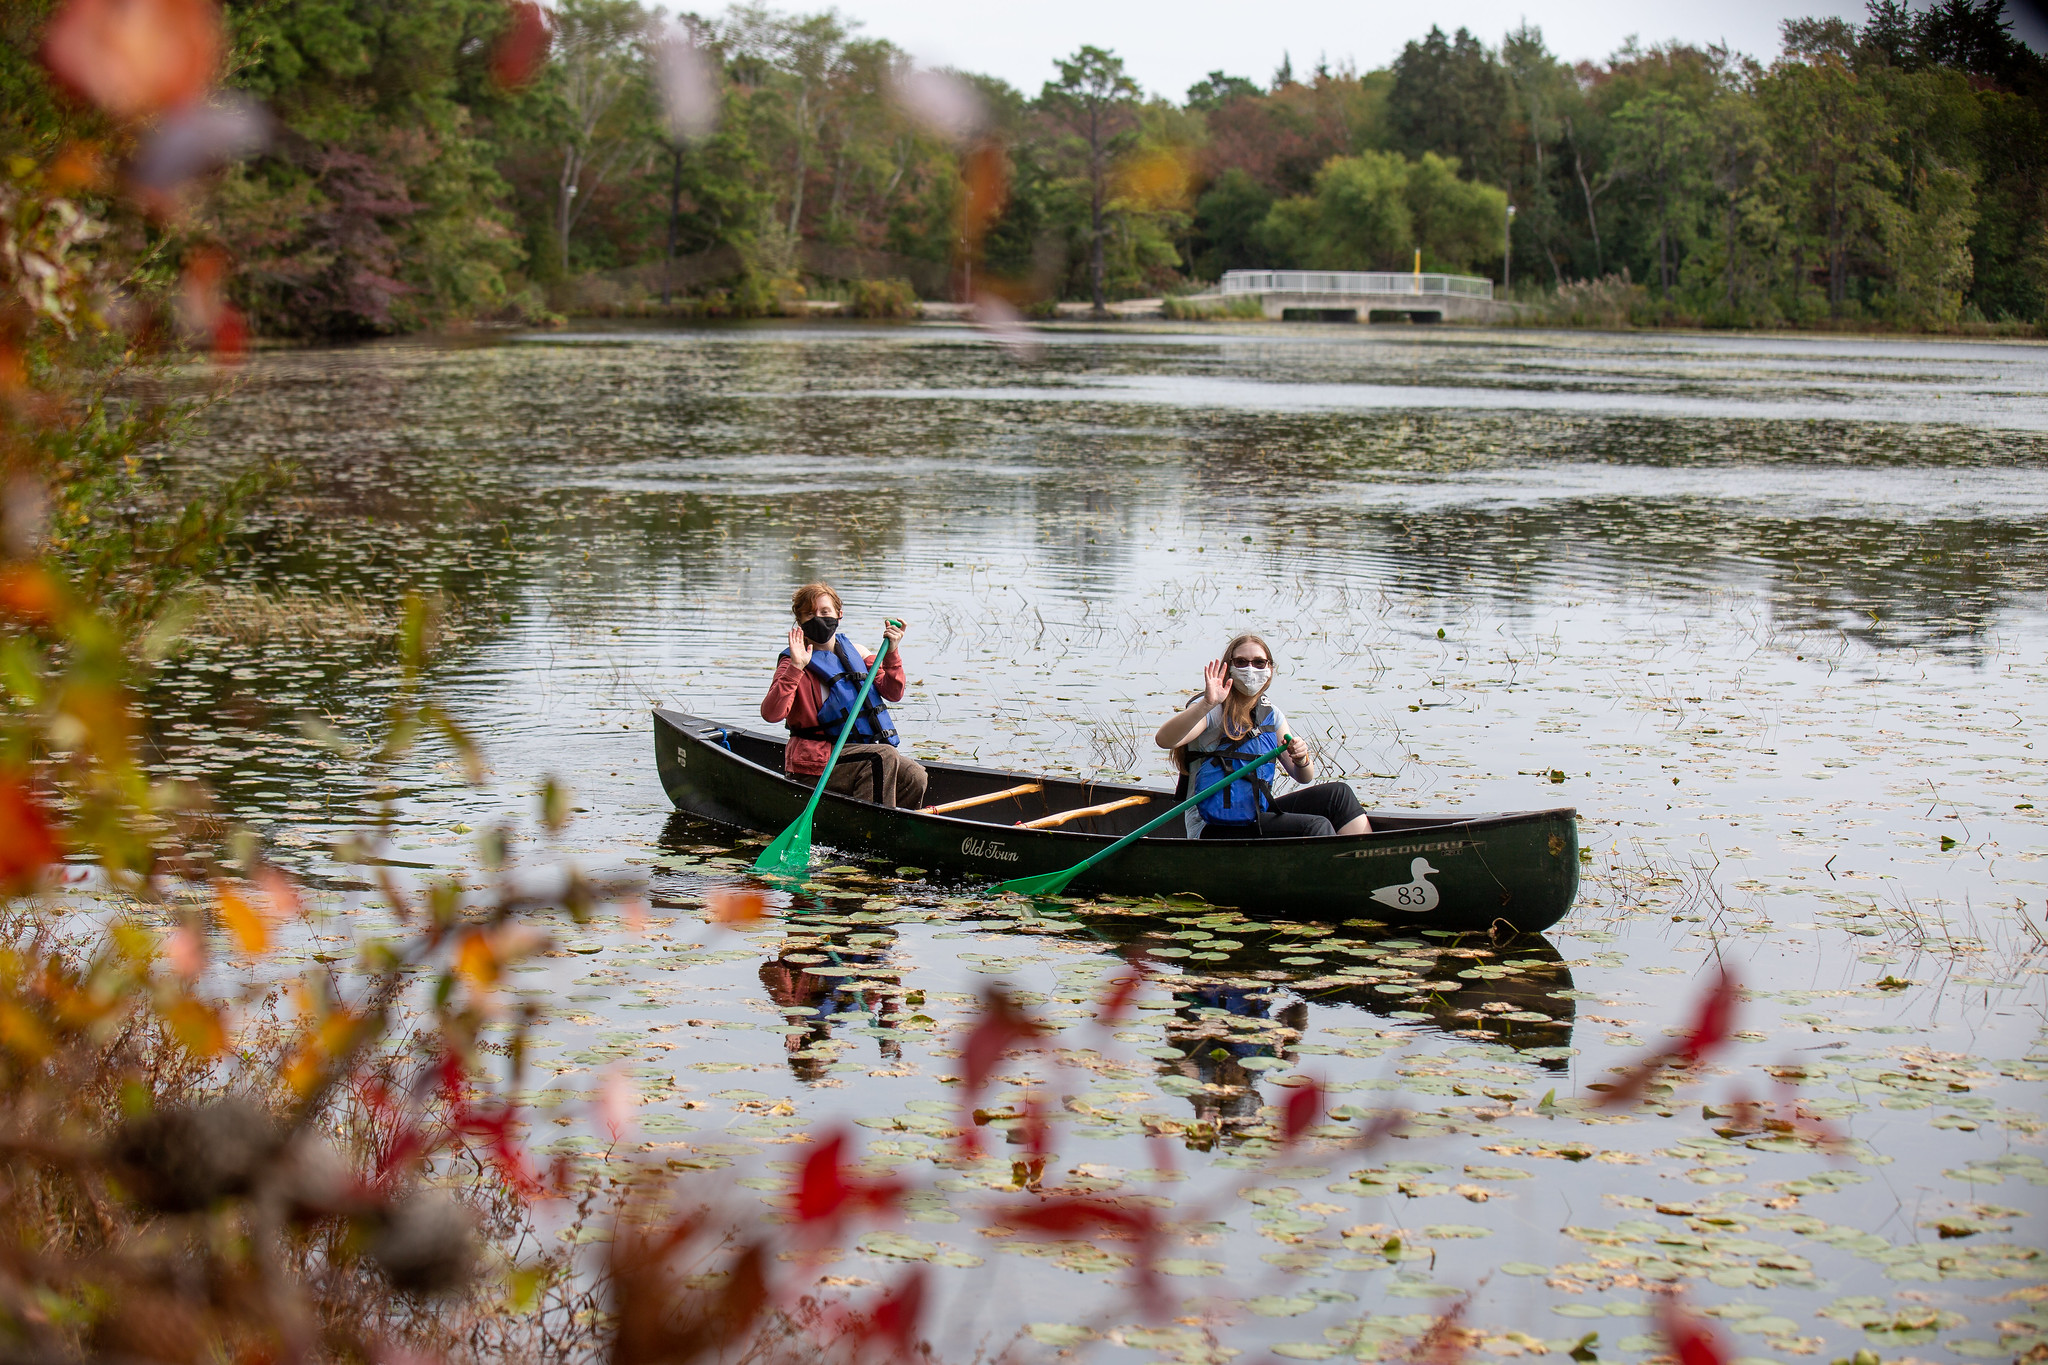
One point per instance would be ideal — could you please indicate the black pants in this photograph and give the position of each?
(1306, 813)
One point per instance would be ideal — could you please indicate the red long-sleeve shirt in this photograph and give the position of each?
(794, 695)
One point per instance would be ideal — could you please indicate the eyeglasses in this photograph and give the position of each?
(1251, 663)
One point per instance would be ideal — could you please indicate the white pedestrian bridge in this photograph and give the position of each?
(1356, 295)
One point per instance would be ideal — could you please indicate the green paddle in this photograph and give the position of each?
(789, 853)
(1052, 883)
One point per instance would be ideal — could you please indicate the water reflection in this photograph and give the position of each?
(1518, 993)
(1218, 1029)
(821, 977)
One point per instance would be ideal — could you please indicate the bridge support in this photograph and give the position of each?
(1383, 308)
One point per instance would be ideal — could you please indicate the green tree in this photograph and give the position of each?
(382, 207)
(605, 114)
(1449, 97)
(1459, 224)
(1229, 221)
(1216, 90)
(1095, 105)
(1828, 131)
(1734, 266)
(1541, 93)
(1657, 145)
(1370, 211)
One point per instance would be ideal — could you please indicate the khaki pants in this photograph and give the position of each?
(878, 772)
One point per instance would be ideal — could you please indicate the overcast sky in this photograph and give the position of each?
(1170, 44)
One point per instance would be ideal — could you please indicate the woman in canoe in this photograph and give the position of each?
(1231, 722)
(815, 683)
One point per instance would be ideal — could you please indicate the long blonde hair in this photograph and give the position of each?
(1238, 709)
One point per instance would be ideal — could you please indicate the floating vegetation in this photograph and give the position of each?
(1788, 663)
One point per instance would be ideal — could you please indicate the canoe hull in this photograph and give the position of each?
(1494, 873)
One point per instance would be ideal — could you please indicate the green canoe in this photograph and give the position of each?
(1507, 873)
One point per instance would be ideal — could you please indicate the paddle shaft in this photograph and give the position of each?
(1203, 795)
(860, 700)
(798, 835)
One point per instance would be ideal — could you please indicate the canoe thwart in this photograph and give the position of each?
(1023, 790)
(1048, 821)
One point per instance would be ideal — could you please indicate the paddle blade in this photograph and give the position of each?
(789, 853)
(1045, 884)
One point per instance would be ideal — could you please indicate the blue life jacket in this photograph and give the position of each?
(840, 671)
(1241, 801)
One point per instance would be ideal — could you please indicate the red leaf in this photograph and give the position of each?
(745, 1293)
(1002, 1025)
(1302, 1110)
(1037, 1127)
(1715, 1022)
(133, 58)
(522, 47)
(825, 1194)
(821, 1190)
(896, 1317)
(1069, 1217)
(230, 335)
(1122, 991)
(1629, 1086)
(1690, 1340)
(1712, 1026)
(27, 843)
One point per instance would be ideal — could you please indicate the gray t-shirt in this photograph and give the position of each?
(1211, 737)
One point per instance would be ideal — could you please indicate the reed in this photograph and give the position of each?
(252, 616)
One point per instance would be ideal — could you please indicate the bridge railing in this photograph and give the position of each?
(1352, 283)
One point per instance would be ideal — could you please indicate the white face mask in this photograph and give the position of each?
(1250, 680)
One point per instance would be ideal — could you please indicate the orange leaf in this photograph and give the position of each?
(729, 905)
(27, 844)
(476, 961)
(79, 166)
(28, 592)
(21, 1032)
(198, 1026)
(134, 57)
(986, 173)
(244, 921)
(302, 1072)
(104, 713)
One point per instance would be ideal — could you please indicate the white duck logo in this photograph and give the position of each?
(1415, 896)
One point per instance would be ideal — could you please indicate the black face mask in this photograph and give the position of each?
(819, 630)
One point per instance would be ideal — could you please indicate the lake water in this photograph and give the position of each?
(1772, 608)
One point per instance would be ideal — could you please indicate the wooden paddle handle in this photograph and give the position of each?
(1047, 821)
(984, 799)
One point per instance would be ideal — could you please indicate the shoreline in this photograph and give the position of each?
(1132, 316)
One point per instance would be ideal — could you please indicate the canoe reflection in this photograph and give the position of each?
(1246, 1016)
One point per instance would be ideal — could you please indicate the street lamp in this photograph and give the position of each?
(1507, 259)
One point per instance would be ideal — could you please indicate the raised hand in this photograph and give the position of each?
(892, 631)
(799, 647)
(1215, 682)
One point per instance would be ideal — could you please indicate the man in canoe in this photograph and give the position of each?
(815, 684)
(1229, 723)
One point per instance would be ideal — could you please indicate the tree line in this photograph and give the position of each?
(1892, 172)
